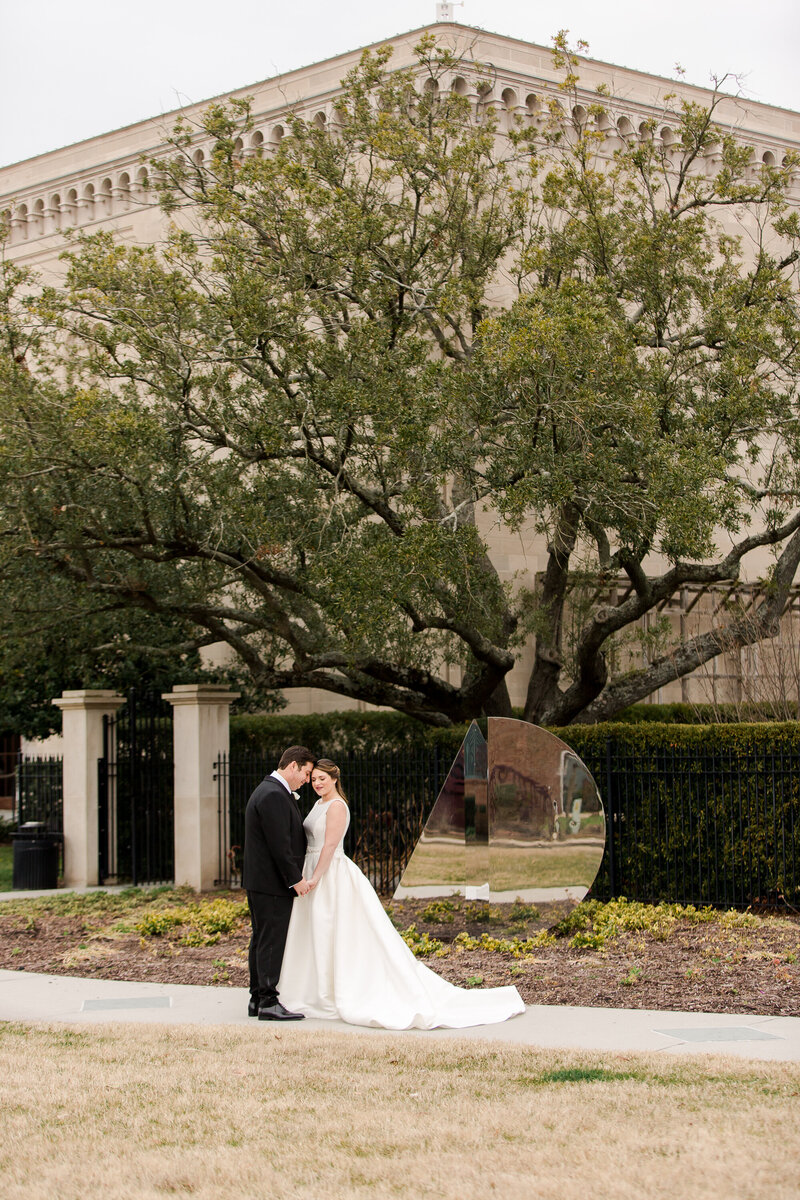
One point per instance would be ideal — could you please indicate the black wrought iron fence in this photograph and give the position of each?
(389, 795)
(40, 795)
(695, 827)
(135, 792)
(40, 792)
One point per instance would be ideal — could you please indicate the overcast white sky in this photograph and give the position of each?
(74, 69)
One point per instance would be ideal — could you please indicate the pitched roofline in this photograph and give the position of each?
(350, 54)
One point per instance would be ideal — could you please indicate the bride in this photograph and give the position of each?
(345, 959)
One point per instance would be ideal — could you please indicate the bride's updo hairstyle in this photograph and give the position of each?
(330, 768)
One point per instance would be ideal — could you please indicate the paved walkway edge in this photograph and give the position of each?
(27, 997)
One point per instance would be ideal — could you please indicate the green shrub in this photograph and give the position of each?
(219, 916)
(593, 924)
(439, 912)
(156, 924)
(196, 937)
(420, 944)
(204, 921)
(338, 733)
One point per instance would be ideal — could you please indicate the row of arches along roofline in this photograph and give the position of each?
(102, 197)
(89, 200)
(511, 103)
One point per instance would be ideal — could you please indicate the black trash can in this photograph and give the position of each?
(35, 857)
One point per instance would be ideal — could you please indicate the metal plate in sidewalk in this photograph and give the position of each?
(729, 1033)
(126, 1002)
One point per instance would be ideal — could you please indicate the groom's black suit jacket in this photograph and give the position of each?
(274, 840)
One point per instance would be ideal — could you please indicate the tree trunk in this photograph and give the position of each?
(543, 691)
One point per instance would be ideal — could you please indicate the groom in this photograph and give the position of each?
(274, 849)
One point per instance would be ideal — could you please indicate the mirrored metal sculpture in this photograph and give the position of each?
(519, 817)
(438, 865)
(476, 814)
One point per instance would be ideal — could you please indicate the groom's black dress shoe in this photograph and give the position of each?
(252, 1008)
(276, 1012)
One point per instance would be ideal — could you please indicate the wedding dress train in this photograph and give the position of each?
(344, 959)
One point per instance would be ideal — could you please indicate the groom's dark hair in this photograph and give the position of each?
(296, 754)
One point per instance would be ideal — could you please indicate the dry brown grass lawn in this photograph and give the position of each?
(143, 1112)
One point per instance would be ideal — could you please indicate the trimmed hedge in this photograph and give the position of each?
(335, 733)
(374, 732)
(654, 736)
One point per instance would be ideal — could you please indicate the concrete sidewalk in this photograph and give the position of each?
(27, 997)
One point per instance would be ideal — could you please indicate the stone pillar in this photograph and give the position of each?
(82, 715)
(201, 713)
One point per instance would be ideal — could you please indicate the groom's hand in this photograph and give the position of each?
(302, 887)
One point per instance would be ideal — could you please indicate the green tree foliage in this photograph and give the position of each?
(57, 634)
(280, 427)
(56, 637)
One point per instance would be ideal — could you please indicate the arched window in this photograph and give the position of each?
(104, 198)
(86, 204)
(19, 223)
(53, 213)
(37, 218)
(70, 207)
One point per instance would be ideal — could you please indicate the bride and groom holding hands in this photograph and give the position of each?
(322, 945)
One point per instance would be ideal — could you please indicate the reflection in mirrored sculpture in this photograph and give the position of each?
(546, 820)
(517, 818)
(476, 814)
(438, 865)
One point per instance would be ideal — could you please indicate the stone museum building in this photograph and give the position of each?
(102, 183)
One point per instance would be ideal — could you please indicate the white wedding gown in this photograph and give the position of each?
(344, 959)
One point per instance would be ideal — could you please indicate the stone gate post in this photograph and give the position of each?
(201, 715)
(82, 715)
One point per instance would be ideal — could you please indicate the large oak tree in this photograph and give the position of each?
(279, 426)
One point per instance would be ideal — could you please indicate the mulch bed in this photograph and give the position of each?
(707, 967)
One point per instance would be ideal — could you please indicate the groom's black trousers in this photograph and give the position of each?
(269, 917)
